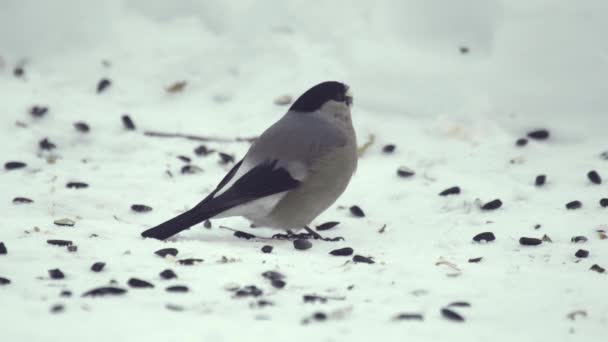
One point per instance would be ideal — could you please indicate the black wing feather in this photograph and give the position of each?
(261, 181)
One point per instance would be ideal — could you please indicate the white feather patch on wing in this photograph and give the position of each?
(256, 209)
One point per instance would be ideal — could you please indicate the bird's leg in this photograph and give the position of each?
(309, 234)
(318, 236)
(289, 235)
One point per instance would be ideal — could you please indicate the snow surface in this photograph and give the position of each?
(454, 118)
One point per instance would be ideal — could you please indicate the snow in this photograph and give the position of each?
(454, 118)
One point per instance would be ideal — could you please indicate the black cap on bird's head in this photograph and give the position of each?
(318, 95)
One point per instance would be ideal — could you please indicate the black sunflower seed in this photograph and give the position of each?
(362, 259)
(540, 134)
(302, 244)
(57, 308)
(168, 274)
(267, 249)
(314, 299)
(597, 268)
(56, 274)
(189, 261)
(475, 260)
(243, 235)
(4, 281)
(184, 159)
(13, 165)
(22, 200)
(77, 185)
(46, 144)
(485, 236)
(166, 251)
(177, 288)
(66, 293)
(327, 225)
(540, 180)
(319, 316)
(494, 204)
(581, 253)
(451, 315)
(594, 177)
(574, 205)
(455, 190)
(3, 249)
(346, 251)
(273, 275)
(82, 127)
(202, 150)
(390, 148)
(98, 266)
(408, 317)
(207, 224)
(127, 122)
(357, 211)
(104, 291)
(141, 208)
(103, 84)
(528, 241)
(72, 248)
(405, 172)
(248, 291)
(604, 202)
(521, 142)
(190, 169)
(577, 239)
(61, 243)
(226, 158)
(138, 283)
(39, 111)
(278, 284)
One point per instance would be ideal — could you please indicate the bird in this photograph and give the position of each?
(295, 170)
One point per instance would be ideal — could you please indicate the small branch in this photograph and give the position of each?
(197, 137)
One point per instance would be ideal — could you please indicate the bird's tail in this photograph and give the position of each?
(179, 223)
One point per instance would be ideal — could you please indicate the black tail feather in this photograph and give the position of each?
(177, 224)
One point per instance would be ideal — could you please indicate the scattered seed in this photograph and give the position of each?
(540, 134)
(408, 317)
(267, 249)
(46, 144)
(278, 284)
(22, 200)
(366, 260)
(4, 281)
(494, 204)
(301, 244)
(166, 251)
(577, 239)
(39, 111)
(61, 243)
(537, 226)
(127, 122)
(597, 268)
(66, 293)
(455, 190)
(168, 274)
(243, 235)
(581, 253)
(540, 180)
(176, 87)
(82, 127)
(207, 224)
(314, 299)
(202, 150)
(189, 261)
(141, 208)
(174, 307)
(57, 308)
(103, 84)
(604, 155)
(485, 236)
(190, 169)
(73, 249)
(404, 172)
(184, 159)
(77, 185)
(3, 249)
(574, 205)
(319, 316)
(604, 202)
(546, 238)
(13, 165)
(98, 266)
(138, 283)
(104, 291)
(225, 158)
(327, 225)
(177, 288)
(460, 304)
(594, 177)
(521, 142)
(18, 71)
(451, 315)
(527, 241)
(248, 291)
(65, 222)
(56, 274)
(356, 211)
(475, 260)
(346, 251)
(390, 148)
